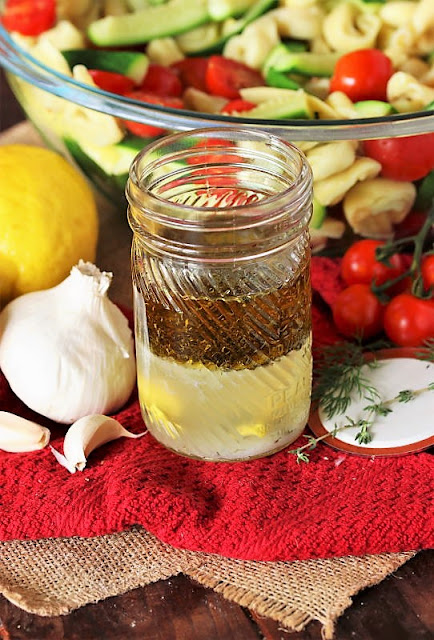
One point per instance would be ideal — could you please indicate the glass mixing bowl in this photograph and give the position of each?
(70, 116)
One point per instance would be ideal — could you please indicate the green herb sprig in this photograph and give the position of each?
(339, 375)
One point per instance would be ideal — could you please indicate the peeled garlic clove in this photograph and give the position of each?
(85, 435)
(20, 435)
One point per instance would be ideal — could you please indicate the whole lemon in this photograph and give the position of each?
(48, 219)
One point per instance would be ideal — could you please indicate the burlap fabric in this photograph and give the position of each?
(55, 576)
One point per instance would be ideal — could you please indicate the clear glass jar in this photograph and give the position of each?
(222, 297)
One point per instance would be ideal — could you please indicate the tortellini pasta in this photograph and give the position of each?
(331, 158)
(406, 93)
(332, 190)
(372, 207)
(346, 28)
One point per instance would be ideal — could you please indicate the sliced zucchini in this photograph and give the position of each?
(133, 64)
(222, 9)
(319, 214)
(373, 108)
(304, 62)
(169, 19)
(280, 79)
(292, 106)
(190, 43)
(110, 185)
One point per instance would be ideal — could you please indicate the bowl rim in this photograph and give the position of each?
(15, 60)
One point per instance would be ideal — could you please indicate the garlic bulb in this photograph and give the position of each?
(67, 352)
(18, 435)
(87, 434)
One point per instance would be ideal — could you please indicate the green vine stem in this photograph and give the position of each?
(385, 252)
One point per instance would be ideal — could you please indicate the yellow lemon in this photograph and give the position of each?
(48, 220)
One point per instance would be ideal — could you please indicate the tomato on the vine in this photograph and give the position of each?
(360, 266)
(409, 158)
(225, 77)
(362, 75)
(357, 312)
(409, 321)
(427, 270)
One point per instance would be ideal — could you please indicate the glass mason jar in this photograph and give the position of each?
(222, 296)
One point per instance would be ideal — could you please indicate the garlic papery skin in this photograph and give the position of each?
(18, 435)
(68, 352)
(87, 434)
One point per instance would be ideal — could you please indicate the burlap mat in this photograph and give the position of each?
(55, 576)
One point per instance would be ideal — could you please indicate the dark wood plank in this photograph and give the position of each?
(174, 609)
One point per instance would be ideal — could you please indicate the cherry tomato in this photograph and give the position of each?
(409, 321)
(111, 81)
(409, 158)
(427, 269)
(148, 130)
(210, 158)
(225, 77)
(237, 106)
(29, 17)
(162, 80)
(192, 72)
(362, 75)
(411, 224)
(360, 266)
(357, 312)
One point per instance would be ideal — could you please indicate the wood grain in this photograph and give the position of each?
(400, 608)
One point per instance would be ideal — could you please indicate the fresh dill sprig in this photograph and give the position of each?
(339, 374)
(426, 352)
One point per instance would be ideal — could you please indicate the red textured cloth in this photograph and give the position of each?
(266, 509)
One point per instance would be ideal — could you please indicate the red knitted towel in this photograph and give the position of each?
(266, 509)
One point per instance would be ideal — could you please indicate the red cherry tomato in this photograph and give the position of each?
(409, 321)
(362, 75)
(162, 80)
(411, 224)
(409, 158)
(237, 106)
(357, 312)
(192, 72)
(427, 269)
(209, 158)
(111, 81)
(360, 266)
(225, 77)
(148, 130)
(29, 17)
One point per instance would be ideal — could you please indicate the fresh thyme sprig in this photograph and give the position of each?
(364, 435)
(339, 374)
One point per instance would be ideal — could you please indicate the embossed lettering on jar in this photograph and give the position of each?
(222, 297)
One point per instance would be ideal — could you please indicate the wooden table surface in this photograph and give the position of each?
(399, 608)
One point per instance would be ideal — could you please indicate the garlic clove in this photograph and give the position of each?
(85, 435)
(20, 435)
